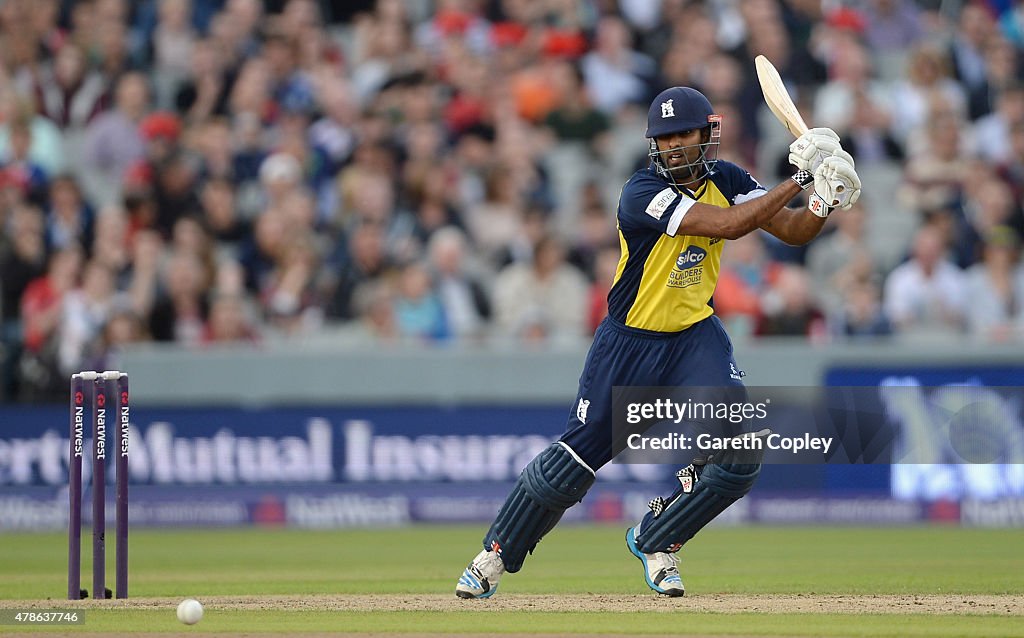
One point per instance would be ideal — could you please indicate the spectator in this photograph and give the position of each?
(788, 309)
(229, 321)
(543, 300)
(927, 81)
(41, 301)
(22, 259)
(69, 220)
(829, 256)
(110, 242)
(280, 175)
(220, 215)
(377, 323)
(992, 132)
(862, 314)
(892, 25)
(41, 314)
(181, 310)
(496, 222)
(86, 310)
(937, 162)
(988, 204)
(333, 134)
(851, 75)
(143, 278)
(868, 134)
(418, 309)
(381, 52)
(1011, 23)
(1013, 169)
(995, 287)
(111, 47)
(172, 44)
(113, 141)
(290, 295)
(45, 25)
(615, 74)
(205, 90)
(464, 301)
(593, 232)
(605, 268)
(18, 166)
(1002, 69)
(215, 148)
(926, 294)
(974, 30)
(121, 329)
(47, 148)
(366, 261)
(69, 93)
(575, 118)
(742, 281)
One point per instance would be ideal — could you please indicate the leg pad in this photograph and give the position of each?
(553, 482)
(705, 491)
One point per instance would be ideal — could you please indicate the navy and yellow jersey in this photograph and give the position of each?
(664, 281)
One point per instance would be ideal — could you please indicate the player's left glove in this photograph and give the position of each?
(836, 185)
(810, 149)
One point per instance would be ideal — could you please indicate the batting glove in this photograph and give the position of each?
(810, 149)
(836, 183)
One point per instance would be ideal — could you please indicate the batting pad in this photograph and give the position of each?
(704, 492)
(553, 482)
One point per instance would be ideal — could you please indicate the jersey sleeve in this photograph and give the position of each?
(648, 203)
(740, 185)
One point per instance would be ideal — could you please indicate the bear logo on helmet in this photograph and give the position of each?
(667, 110)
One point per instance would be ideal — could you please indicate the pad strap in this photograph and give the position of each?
(704, 492)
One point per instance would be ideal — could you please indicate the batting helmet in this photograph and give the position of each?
(677, 110)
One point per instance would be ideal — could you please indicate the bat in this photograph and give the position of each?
(778, 100)
(777, 97)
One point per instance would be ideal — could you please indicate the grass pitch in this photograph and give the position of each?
(932, 581)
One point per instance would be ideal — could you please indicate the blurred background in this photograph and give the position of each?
(352, 253)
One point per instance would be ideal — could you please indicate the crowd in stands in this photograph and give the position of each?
(445, 171)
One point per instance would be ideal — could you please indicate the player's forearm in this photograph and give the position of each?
(734, 222)
(794, 227)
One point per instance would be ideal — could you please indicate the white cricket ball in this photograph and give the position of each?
(190, 611)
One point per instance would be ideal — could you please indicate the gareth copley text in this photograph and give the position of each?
(712, 443)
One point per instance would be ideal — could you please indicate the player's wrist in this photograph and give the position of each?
(818, 206)
(803, 179)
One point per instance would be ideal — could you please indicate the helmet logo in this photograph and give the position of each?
(667, 110)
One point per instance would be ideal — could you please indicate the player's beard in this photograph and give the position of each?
(691, 173)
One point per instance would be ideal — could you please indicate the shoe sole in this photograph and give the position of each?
(631, 544)
(468, 595)
(465, 595)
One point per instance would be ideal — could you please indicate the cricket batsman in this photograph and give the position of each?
(661, 330)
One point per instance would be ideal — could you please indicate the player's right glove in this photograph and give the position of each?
(810, 149)
(837, 185)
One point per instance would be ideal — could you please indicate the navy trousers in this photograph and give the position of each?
(701, 355)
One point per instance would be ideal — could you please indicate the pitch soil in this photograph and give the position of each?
(937, 604)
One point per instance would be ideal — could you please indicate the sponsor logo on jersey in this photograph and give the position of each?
(689, 268)
(692, 256)
(660, 203)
